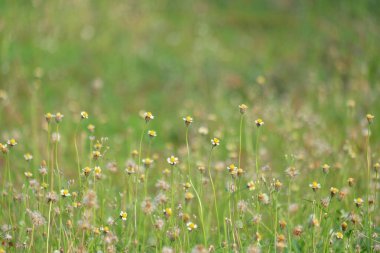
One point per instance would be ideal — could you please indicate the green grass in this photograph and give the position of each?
(118, 59)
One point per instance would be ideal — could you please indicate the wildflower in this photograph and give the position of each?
(282, 224)
(263, 198)
(152, 133)
(339, 235)
(277, 185)
(84, 115)
(351, 181)
(232, 169)
(186, 186)
(91, 128)
(97, 170)
(12, 142)
(243, 108)
(86, 171)
(188, 196)
(142, 178)
(148, 116)
(148, 206)
(135, 153)
(315, 186)
(291, 172)
(258, 236)
(298, 230)
(36, 217)
(259, 122)
(344, 226)
(333, 191)
(168, 212)
(314, 222)
(96, 154)
(370, 118)
(215, 142)
(188, 120)
(123, 215)
(51, 197)
(28, 157)
(191, 226)
(242, 206)
(358, 202)
(251, 186)
(4, 148)
(147, 162)
(28, 174)
(58, 117)
(104, 229)
(48, 117)
(325, 168)
(172, 160)
(98, 145)
(65, 193)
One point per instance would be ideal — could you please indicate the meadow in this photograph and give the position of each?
(189, 126)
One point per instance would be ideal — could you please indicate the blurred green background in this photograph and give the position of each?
(116, 58)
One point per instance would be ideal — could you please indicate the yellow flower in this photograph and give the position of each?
(65, 193)
(251, 186)
(277, 185)
(97, 170)
(315, 186)
(325, 168)
(86, 171)
(370, 118)
(243, 108)
(215, 142)
(259, 122)
(28, 157)
(123, 215)
(96, 154)
(91, 128)
(168, 212)
(12, 142)
(191, 226)
(188, 120)
(172, 160)
(28, 174)
(339, 235)
(147, 162)
(84, 115)
(358, 202)
(232, 169)
(188, 196)
(48, 117)
(333, 191)
(261, 80)
(58, 117)
(148, 116)
(152, 133)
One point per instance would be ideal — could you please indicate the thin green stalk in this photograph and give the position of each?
(369, 221)
(213, 189)
(77, 155)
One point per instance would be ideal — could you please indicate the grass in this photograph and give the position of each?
(309, 69)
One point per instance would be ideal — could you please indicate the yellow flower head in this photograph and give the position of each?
(58, 117)
(168, 212)
(28, 174)
(215, 142)
(358, 202)
(259, 122)
(152, 133)
(370, 118)
(12, 142)
(97, 170)
(188, 120)
(123, 215)
(232, 169)
(191, 226)
(251, 186)
(339, 235)
(28, 157)
(147, 162)
(96, 154)
(172, 160)
(148, 116)
(65, 193)
(315, 186)
(84, 115)
(48, 117)
(333, 191)
(91, 128)
(86, 171)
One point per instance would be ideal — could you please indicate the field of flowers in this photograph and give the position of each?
(189, 126)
